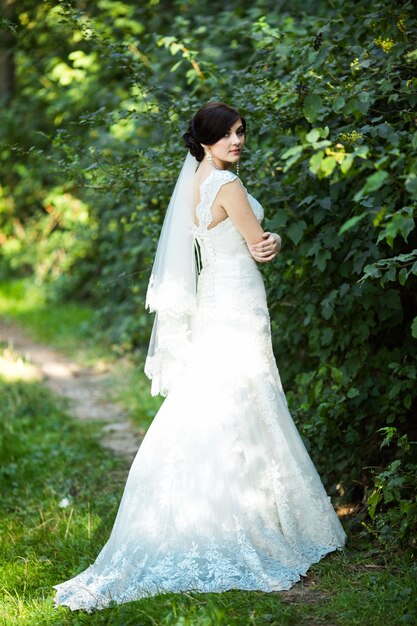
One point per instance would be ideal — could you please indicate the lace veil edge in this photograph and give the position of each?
(172, 286)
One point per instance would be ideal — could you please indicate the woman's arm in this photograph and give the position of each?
(264, 247)
(267, 249)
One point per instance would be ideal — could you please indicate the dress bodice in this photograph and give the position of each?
(222, 241)
(230, 278)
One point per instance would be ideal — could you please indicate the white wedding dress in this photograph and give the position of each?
(222, 493)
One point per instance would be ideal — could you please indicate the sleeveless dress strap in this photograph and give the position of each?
(208, 192)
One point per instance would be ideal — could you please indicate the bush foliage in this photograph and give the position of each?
(91, 149)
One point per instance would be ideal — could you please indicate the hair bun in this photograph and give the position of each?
(193, 144)
(209, 125)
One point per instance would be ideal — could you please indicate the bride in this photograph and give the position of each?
(222, 493)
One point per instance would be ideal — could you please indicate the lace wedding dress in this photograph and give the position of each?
(222, 493)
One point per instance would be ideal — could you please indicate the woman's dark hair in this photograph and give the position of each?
(209, 125)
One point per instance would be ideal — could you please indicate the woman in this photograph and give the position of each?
(222, 493)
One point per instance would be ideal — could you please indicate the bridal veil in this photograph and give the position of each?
(172, 286)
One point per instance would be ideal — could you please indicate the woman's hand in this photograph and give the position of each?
(266, 250)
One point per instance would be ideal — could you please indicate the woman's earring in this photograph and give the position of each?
(209, 158)
(237, 169)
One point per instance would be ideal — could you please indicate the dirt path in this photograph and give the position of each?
(84, 387)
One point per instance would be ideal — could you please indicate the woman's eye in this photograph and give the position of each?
(240, 132)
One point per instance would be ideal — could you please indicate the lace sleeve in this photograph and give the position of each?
(209, 190)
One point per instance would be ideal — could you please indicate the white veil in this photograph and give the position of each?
(172, 286)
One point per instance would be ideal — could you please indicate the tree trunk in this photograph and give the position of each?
(6, 74)
(6, 52)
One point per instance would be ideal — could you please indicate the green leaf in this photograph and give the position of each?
(352, 392)
(338, 104)
(279, 220)
(373, 183)
(362, 151)
(306, 200)
(315, 161)
(296, 231)
(414, 328)
(391, 275)
(313, 135)
(370, 271)
(293, 151)
(351, 223)
(346, 164)
(401, 223)
(373, 500)
(337, 375)
(176, 66)
(291, 156)
(402, 276)
(327, 336)
(411, 185)
(327, 166)
(376, 180)
(321, 259)
(312, 107)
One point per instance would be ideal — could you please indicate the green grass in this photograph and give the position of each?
(70, 327)
(132, 389)
(65, 325)
(47, 456)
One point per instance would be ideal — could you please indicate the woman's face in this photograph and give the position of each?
(227, 149)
